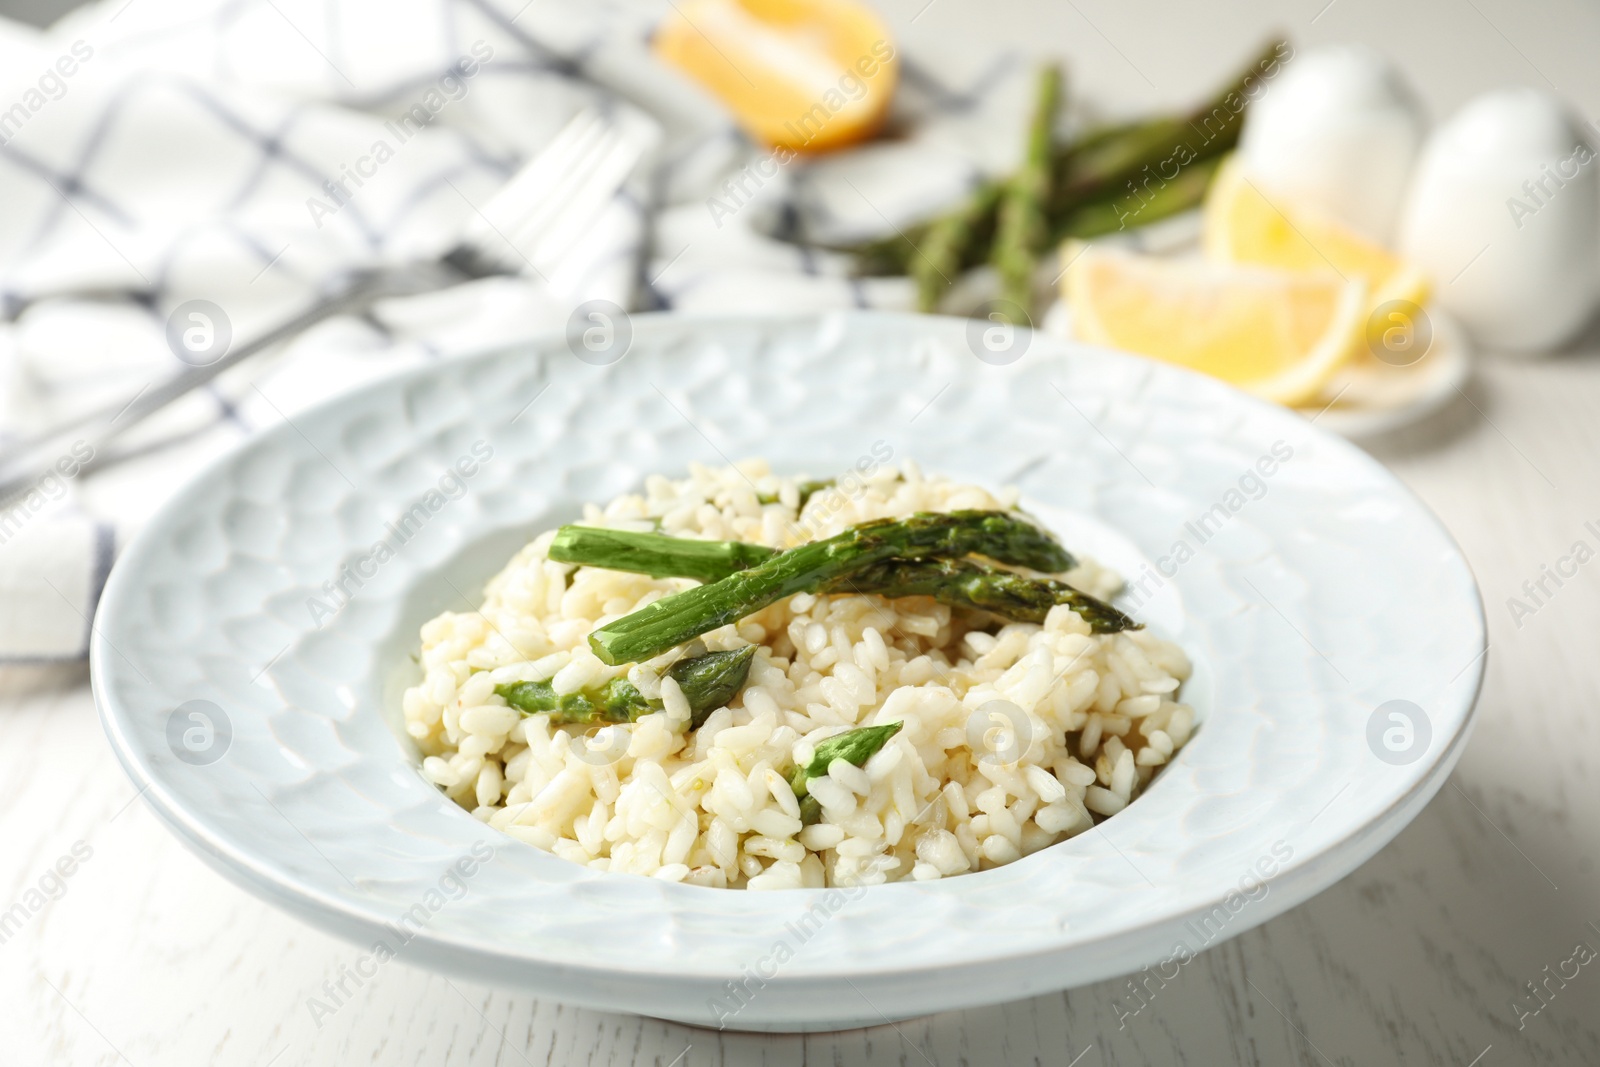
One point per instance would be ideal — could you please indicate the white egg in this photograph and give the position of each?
(1504, 214)
(1338, 129)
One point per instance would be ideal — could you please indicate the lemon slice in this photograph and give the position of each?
(806, 75)
(1242, 224)
(1278, 334)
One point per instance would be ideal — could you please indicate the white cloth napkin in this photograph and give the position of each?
(154, 152)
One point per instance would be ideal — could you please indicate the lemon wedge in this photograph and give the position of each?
(1243, 224)
(1279, 334)
(805, 75)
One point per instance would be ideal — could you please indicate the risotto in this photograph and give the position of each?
(893, 724)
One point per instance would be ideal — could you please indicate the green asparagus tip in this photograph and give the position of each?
(853, 746)
(710, 681)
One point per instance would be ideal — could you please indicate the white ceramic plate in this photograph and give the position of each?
(1317, 595)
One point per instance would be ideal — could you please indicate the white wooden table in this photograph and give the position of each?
(147, 957)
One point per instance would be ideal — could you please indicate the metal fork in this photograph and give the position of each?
(528, 227)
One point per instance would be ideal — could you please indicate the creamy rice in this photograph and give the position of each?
(966, 784)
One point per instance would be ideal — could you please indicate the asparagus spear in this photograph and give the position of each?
(1185, 191)
(965, 584)
(887, 256)
(657, 555)
(809, 567)
(853, 746)
(708, 682)
(616, 701)
(1220, 109)
(1098, 165)
(935, 250)
(958, 583)
(1022, 229)
(943, 248)
(1112, 167)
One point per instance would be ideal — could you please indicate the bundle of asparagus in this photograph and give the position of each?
(1125, 174)
(919, 556)
(960, 583)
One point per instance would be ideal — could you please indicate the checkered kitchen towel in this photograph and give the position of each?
(252, 152)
